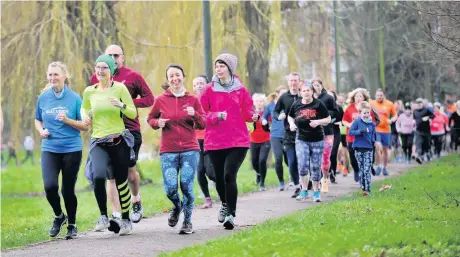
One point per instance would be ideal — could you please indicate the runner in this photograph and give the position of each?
(282, 107)
(454, 122)
(228, 106)
(137, 87)
(337, 137)
(58, 120)
(395, 139)
(422, 116)
(439, 126)
(387, 114)
(343, 159)
(329, 102)
(405, 125)
(205, 168)
(364, 131)
(260, 143)
(276, 135)
(307, 117)
(111, 144)
(178, 113)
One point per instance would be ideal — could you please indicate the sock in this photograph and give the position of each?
(116, 214)
(136, 198)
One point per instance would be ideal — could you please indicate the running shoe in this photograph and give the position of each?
(102, 223)
(316, 196)
(339, 167)
(229, 222)
(332, 177)
(324, 186)
(303, 195)
(345, 172)
(385, 172)
(365, 193)
(126, 227)
(257, 179)
(281, 187)
(71, 232)
(296, 192)
(378, 171)
(174, 214)
(186, 228)
(291, 184)
(137, 213)
(115, 224)
(262, 188)
(58, 223)
(419, 160)
(356, 176)
(222, 213)
(207, 203)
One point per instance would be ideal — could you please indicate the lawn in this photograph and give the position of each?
(26, 220)
(402, 221)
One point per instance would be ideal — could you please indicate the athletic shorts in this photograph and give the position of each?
(137, 146)
(343, 140)
(384, 139)
(395, 141)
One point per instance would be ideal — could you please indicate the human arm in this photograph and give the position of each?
(142, 89)
(279, 107)
(78, 123)
(354, 129)
(211, 117)
(153, 119)
(199, 118)
(249, 115)
(129, 110)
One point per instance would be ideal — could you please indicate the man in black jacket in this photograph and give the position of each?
(422, 116)
(283, 105)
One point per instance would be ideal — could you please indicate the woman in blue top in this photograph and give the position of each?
(363, 130)
(58, 120)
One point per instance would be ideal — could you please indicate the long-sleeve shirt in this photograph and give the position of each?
(405, 124)
(423, 126)
(362, 138)
(439, 124)
(284, 104)
(106, 118)
(137, 87)
(277, 126)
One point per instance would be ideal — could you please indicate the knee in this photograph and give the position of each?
(303, 172)
(170, 190)
(51, 189)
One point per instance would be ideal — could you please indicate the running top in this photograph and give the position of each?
(385, 110)
(63, 137)
(106, 118)
(303, 114)
(405, 124)
(260, 134)
(331, 106)
(423, 126)
(439, 123)
(137, 87)
(455, 119)
(277, 126)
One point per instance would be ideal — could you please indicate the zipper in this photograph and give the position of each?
(178, 125)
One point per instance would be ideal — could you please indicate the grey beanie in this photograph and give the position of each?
(230, 60)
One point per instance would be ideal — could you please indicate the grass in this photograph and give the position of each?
(402, 221)
(26, 220)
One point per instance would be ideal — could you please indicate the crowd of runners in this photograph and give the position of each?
(208, 132)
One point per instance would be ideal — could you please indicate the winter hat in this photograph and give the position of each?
(407, 106)
(108, 60)
(230, 60)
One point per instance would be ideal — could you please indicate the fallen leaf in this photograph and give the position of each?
(385, 187)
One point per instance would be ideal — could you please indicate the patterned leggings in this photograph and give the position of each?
(187, 163)
(328, 143)
(309, 158)
(365, 164)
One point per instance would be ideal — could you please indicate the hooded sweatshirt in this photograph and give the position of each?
(179, 133)
(234, 99)
(364, 133)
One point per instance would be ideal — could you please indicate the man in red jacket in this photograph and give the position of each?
(137, 87)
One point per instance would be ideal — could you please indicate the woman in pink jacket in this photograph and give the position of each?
(228, 106)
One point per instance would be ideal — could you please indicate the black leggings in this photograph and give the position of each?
(226, 164)
(279, 153)
(407, 141)
(335, 150)
(118, 157)
(437, 142)
(423, 144)
(259, 156)
(52, 164)
(353, 161)
(204, 169)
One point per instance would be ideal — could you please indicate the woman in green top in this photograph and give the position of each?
(104, 105)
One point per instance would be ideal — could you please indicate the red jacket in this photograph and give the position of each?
(351, 113)
(179, 133)
(259, 135)
(237, 102)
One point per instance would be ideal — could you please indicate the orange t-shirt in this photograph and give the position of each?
(385, 109)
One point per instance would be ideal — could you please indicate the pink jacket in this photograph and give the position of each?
(236, 100)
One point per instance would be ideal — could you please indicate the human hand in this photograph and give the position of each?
(282, 116)
(190, 111)
(115, 102)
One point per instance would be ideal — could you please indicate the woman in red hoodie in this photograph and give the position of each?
(228, 106)
(178, 113)
(260, 143)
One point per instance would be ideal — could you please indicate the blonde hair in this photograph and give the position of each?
(364, 105)
(352, 94)
(64, 70)
(258, 96)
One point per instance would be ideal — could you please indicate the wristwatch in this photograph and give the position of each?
(123, 107)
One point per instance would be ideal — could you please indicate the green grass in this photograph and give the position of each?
(401, 221)
(27, 220)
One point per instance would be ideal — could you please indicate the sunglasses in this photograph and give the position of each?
(115, 55)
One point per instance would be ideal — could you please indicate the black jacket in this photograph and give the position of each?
(423, 127)
(331, 106)
(284, 103)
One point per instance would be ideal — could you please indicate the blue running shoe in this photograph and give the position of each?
(303, 195)
(356, 176)
(378, 171)
(385, 172)
(316, 196)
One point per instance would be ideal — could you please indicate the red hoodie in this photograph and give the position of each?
(179, 133)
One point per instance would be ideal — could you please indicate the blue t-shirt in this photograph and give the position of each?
(63, 138)
(277, 128)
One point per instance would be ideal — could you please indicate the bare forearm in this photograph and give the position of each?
(80, 125)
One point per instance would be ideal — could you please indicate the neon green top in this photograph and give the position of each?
(106, 118)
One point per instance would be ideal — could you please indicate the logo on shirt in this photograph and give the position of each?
(56, 110)
(308, 114)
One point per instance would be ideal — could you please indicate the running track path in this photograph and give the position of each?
(153, 235)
